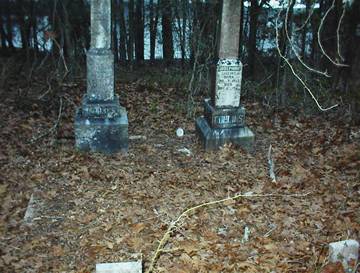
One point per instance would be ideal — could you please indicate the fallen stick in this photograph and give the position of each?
(271, 165)
(172, 226)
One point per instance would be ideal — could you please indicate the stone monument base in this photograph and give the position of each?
(101, 127)
(214, 138)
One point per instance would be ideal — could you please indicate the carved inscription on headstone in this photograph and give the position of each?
(223, 119)
(228, 83)
(229, 120)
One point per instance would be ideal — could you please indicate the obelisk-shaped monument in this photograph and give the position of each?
(101, 124)
(224, 117)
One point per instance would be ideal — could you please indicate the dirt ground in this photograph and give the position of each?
(92, 208)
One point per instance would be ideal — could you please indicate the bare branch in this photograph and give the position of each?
(338, 32)
(293, 70)
(319, 37)
(187, 212)
(294, 49)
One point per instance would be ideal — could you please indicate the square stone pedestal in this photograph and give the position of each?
(222, 126)
(101, 127)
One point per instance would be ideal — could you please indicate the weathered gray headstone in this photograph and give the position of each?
(101, 124)
(224, 117)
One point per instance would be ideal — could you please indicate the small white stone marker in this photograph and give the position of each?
(125, 267)
(246, 236)
(180, 132)
(346, 252)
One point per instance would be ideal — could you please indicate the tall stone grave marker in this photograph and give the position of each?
(224, 117)
(101, 124)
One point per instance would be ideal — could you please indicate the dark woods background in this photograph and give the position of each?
(46, 41)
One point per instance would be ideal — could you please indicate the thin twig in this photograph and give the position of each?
(61, 51)
(264, 80)
(271, 166)
(173, 225)
(338, 33)
(48, 89)
(53, 128)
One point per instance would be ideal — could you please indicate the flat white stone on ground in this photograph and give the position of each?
(32, 209)
(185, 151)
(125, 267)
(346, 252)
(137, 137)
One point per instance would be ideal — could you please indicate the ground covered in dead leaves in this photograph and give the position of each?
(92, 208)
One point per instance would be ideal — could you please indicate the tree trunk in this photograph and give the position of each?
(194, 30)
(115, 15)
(254, 15)
(122, 31)
(181, 21)
(314, 28)
(285, 89)
(3, 37)
(184, 28)
(131, 32)
(9, 26)
(86, 26)
(154, 17)
(328, 35)
(54, 26)
(167, 35)
(139, 31)
(22, 26)
(304, 30)
(241, 28)
(33, 25)
(350, 74)
(69, 45)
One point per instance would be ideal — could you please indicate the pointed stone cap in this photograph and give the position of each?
(230, 29)
(101, 24)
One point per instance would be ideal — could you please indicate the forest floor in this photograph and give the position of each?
(92, 208)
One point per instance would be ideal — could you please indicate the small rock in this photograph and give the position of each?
(185, 151)
(346, 252)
